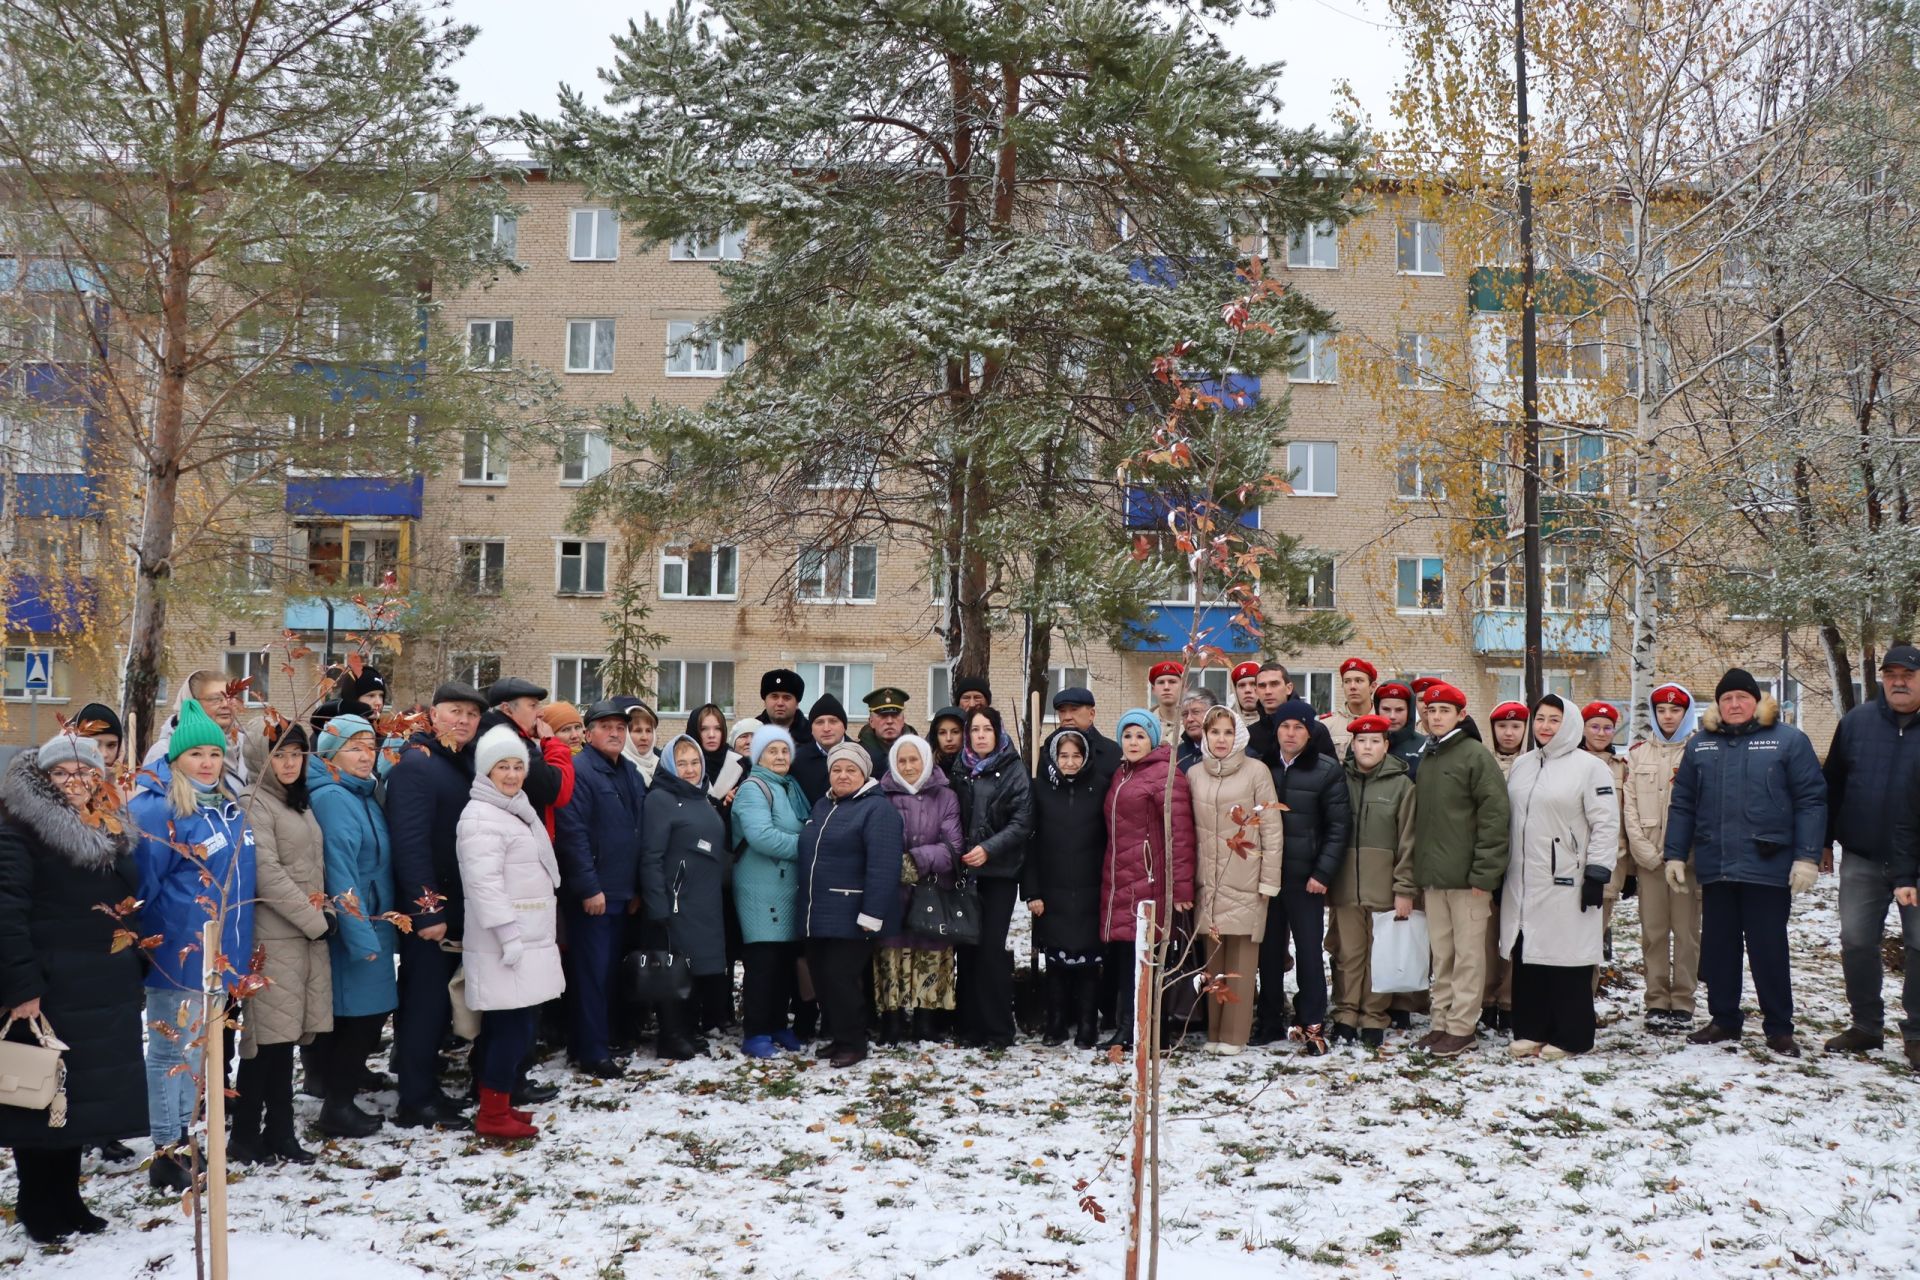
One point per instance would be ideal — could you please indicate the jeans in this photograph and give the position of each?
(171, 1097)
(507, 1038)
(1865, 894)
(1753, 916)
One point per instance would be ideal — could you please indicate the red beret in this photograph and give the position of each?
(1594, 710)
(1423, 683)
(1393, 689)
(1441, 691)
(1359, 664)
(1369, 724)
(1507, 711)
(1671, 693)
(1245, 671)
(1166, 669)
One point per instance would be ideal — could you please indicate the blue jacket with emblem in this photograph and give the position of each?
(1748, 802)
(850, 866)
(598, 832)
(171, 889)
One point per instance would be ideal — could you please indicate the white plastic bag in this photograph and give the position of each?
(1401, 955)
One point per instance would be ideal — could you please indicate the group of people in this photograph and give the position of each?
(512, 858)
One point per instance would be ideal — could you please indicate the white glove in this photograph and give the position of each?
(511, 948)
(1676, 873)
(1802, 877)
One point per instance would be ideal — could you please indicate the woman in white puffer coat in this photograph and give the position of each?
(1565, 840)
(509, 956)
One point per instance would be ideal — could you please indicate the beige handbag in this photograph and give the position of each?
(32, 1076)
(466, 1020)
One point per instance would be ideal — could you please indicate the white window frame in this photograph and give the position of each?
(1315, 359)
(1426, 237)
(602, 335)
(561, 690)
(56, 686)
(47, 442)
(1059, 678)
(1422, 490)
(603, 230)
(857, 475)
(590, 459)
(856, 682)
(484, 583)
(256, 664)
(729, 246)
(1305, 682)
(1419, 587)
(1304, 472)
(560, 558)
(1308, 244)
(506, 235)
(1324, 563)
(939, 691)
(692, 355)
(492, 469)
(494, 328)
(840, 589)
(256, 573)
(680, 556)
(680, 668)
(1414, 363)
(473, 668)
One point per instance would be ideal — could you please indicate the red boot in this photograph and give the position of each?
(497, 1120)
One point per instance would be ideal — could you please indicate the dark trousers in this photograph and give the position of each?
(766, 986)
(264, 1088)
(1270, 1006)
(1117, 962)
(1552, 1003)
(1753, 917)
(425, 1016)
(1866, 891)
(984, 973)
(593, 945)
(49, 1183)
(348, 1046)
(839, 968)
(1306, 916)
(713, 1000)
(507, 1038)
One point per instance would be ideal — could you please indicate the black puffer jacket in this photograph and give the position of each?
(996, 810)
(55, 870)
(1065, 853)
(1263, 739)
(1869, 766)
(683, 867)
(1317, 820)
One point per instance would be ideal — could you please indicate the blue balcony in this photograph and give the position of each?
(1170, 628)
(356, 497)
(311, 615)
(1504, 631)
(45, 607)
(61, 496)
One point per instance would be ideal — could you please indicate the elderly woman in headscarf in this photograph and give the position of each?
(1060, 882)
(768, 815)
(682, 874)
(913, 975)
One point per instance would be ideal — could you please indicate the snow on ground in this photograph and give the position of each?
(1647, 1158)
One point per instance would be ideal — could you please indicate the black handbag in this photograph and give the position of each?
(655, 977)
(945, 915)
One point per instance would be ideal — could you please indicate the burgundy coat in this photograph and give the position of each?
(1136, 851)
(931, 817)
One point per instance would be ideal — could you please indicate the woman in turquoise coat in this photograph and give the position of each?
(769, 811)
(340, 781)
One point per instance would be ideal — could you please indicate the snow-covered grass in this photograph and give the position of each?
(1646, 1158)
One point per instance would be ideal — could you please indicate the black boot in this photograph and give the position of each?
(673, 1043)
(341, 1118)
(1084, 983)
(893, 1026)
(243, 1134)
(806, 1019)
(170, 1171)
(926, 1026)
(1058, 995)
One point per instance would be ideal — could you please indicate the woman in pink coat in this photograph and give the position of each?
(1139, 866)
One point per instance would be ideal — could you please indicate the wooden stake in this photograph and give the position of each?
(213, 1021)
(1143, 1020)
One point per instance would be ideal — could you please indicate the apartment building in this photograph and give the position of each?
(492, 537)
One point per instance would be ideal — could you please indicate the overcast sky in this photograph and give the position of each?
(526, 48)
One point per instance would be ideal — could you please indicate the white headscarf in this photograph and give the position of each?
(925, 749)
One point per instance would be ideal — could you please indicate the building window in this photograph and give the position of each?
(1511, 686)
(584, 455)
(1566, 351)
(847, 575)
(1563, 582)
(583, 568)
(1316, 687)
(1315, 591)
(252, 667)
(49, 442)
(577, 680)
(1420, 584)
(475, 669)
(1314, 468)
(373, 558)
(1314, 245)
(1315, 358)
(256, 567)
(1417, 361)
(483, 460)
(589, 346)
(506, 236)
(693, 352)
(252, 458)
(682, 685)
(1418, 247)
(483, 566)
(19, 657)
(1416, 476)
(51, 328)
(689, 572)
(1574, 461)
(850, 682)
(939, 691)
(729, 246)
(843, 473)
(596, 236)
(1058, 678)
(489, 342)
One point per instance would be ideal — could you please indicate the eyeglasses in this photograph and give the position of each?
(65, 775)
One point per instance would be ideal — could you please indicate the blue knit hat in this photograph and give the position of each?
(338, 730)
(1145, 719)
(765, 736)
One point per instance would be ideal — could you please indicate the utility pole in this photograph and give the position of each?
(1534, 671)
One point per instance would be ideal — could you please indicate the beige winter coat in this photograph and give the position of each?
(290, 868)
(1650, 769)
(1234, 887)
(1565, 819)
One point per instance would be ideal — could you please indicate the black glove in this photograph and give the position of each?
(333, 925)
(1593, 892)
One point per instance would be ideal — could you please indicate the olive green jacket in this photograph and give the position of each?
(1379, 861)
(1460, 828)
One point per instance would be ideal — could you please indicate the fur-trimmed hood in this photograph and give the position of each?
(1766, 715)
(29, 798)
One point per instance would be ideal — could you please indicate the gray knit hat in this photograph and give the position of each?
(848, 749)
(63, 747)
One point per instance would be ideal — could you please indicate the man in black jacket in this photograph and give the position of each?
(1871, 780)
(827, 721)
(1316, 817)
(516, 703)
(1274, 687)
(426, 792)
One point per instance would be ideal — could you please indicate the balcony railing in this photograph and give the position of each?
(1505, 630)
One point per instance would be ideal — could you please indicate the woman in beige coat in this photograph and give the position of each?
(291, 934)
(1238, 869)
